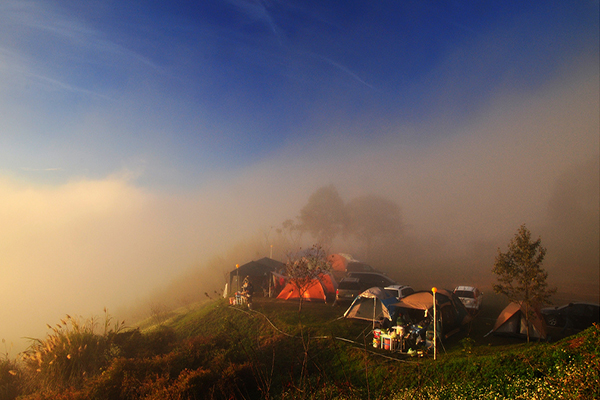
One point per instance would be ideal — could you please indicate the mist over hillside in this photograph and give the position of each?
(526, 157)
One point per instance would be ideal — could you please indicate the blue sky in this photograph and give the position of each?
(139, 139)
(181, 89)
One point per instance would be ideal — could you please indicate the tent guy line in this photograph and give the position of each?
(361, 345)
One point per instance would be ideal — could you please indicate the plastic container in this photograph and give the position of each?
(387, 342)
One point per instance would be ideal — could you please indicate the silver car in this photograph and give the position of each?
(470, 296)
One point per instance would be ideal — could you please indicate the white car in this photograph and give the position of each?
(470, 296)
(399, 291)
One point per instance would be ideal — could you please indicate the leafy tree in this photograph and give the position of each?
(304, 267)
(324, 215)
(373, 219)
(520, 274)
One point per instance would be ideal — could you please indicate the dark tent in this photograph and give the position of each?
(259, 272)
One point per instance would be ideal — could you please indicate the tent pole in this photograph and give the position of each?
(434, 290)
(374, 309)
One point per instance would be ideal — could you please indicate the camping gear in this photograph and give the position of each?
(259, 271)
(512, 322)
(376, 338)
(237, 299)
(386, 341)
(451, 312)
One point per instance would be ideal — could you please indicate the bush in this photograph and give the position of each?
(10, 379)
(71, 352)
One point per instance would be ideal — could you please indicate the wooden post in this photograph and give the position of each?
(434, 290)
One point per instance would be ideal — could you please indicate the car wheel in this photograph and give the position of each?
(552, 320)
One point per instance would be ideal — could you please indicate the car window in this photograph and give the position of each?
(464, 293)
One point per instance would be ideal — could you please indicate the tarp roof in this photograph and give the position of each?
(424, 300)
(257, 268)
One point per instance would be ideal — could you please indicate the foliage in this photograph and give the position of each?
(373, 219)
(324, 215)
(520, 274)
(289, 234)
(72, 351)
(265, 354)
(304, 267)
(569, 369)
(10, 382)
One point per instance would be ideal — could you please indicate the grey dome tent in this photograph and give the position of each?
(371, 305)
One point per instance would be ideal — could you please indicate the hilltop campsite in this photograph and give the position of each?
(222, 349)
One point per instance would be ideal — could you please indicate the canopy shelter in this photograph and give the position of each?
(452, 314)
(259, 272)
(372, 305)
(512, 322)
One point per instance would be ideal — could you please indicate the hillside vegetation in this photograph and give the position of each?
(218, 351)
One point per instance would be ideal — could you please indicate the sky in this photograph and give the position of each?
(137, 139)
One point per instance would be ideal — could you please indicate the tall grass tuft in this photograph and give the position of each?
(10, 376)
(72, 351)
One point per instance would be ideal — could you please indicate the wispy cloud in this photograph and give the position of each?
(29, 29)
(341, 67)
(257, 10)
(41, 169)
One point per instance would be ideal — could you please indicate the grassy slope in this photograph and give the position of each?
(487, 369)
(222, 351)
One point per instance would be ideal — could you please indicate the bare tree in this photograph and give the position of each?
(304, 267)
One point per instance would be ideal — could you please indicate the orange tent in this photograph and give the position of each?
(338, 262)
(315, 292)
(328, 283)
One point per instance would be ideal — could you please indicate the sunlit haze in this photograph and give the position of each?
(139, 141)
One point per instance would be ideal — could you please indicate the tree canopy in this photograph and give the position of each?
(520, 274)
(373, 219)
(324, 215)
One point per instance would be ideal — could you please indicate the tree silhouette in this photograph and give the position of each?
(324, 215)
(373, 219)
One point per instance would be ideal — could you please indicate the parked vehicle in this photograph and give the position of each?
(354, 283)
(577, 315)
(356, 266)
(470, 296)
(399, 291)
